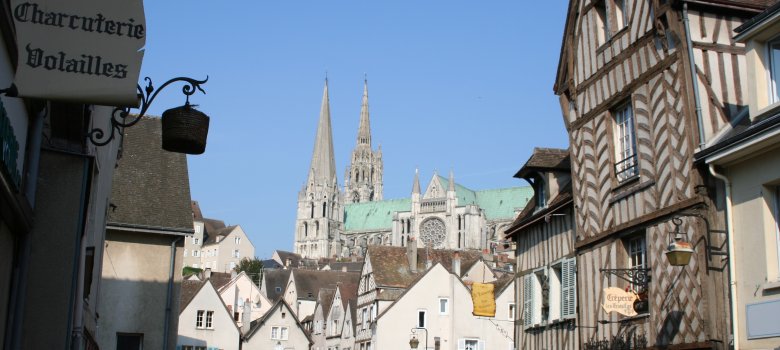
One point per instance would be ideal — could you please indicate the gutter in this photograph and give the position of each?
(731, 256)
(169, 293)
(694, 79)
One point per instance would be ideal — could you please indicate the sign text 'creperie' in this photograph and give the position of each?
(85, 51)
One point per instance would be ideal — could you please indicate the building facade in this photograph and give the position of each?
(446, 215)
(643, 85)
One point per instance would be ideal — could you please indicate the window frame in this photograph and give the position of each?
(446, 306)
(199, 317)
(776, 219)
(424, 319)
(773, 88)
(511, 311)
(624, 128)
(209, 319)
(631, 253)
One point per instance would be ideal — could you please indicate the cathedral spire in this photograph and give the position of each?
(323, 164)
(452, 182)
(364, 130)
(416, 184)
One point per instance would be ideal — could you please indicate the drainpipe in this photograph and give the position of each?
(169, 295)
(731, 257)
(694, 79)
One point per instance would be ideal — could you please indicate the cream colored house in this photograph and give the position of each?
(279, 329)
(240, 293)
(224, 248)
(204, 320)
(303, 287)
(441, 304)
(746, 161)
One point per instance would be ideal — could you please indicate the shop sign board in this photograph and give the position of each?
(619, 300)
(85, 51)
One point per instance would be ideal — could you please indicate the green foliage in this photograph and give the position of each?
(253, 268)
(189, 271)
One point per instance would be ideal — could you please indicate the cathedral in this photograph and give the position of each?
(336, 222)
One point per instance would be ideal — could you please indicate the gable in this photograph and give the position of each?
(435, 189)
(207, 298)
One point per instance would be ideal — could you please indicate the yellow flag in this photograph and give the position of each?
(482, 295)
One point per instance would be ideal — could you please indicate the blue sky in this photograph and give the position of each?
(453, 85)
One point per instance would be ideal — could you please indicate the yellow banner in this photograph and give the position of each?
(483, 297)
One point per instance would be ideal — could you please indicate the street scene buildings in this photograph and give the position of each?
(657, 226)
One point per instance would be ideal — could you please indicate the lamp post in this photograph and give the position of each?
(184, 128)
(414, 342)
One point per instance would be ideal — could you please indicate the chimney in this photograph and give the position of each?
(456, 264)
(411, 254)
(207, 273)
(246, 317)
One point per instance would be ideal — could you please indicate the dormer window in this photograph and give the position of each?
(541, 194)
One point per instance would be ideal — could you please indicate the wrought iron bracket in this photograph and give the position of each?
(637, 276)
(10, 91)
(121, 118)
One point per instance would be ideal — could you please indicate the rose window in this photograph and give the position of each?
(433, 232)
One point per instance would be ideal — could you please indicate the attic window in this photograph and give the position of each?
(278, 289)
(310, 295)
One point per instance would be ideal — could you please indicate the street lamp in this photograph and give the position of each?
(184, 129)
(679, 250)
(414, 342)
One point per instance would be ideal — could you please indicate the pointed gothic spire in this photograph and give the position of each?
(364, 130)
(452, 182)
(416, 184)
(323, 164)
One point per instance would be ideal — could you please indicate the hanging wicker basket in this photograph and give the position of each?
(184, 130)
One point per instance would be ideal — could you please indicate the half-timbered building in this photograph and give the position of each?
(643, 84)
(546, 263)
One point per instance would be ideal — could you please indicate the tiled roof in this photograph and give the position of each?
(273, 279)
(325, 298)
(350, 266)
(189, 289)
(390, 265)
(308, 283)
(545, 159)
(373, 215)
(222, 232)
(295, 259)
(220, 279)
(196, 213)
(151, 186)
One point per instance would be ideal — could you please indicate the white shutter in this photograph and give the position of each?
(481, 345)
(461, 344)
(529, 299)
(569, 288)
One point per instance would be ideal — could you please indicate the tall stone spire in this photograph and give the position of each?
(364, 130)
(323, 163)
(416, 184)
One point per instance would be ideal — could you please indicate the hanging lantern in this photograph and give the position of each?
(414, 343)
(679, 251)
(184, 130)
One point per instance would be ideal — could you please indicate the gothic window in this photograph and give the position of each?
(305, 229)
(433, 232)
(312, 210)
(324, 209)
(317, 228)
(356, 197)
(408, 226)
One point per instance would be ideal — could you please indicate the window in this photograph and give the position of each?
(125, 341)
(444, 306)
(334, 327)
(200, 348)
(625, 143)
(283, 333)
(421, 318)
(199, 319)
(471, 344)
(777, 225)
(541, 194)
(511, 315)
(620, 14)
(237, 240)
(279, 333)
(637, 256)
(601, 22)
(774, 70)
(209, 319)
(278, 289)
(236, 254)
(274, 332)
(195, 240)
(346, 329)
(365, 318)
(187, 347)
(196, 253)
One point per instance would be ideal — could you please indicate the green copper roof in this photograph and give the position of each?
(464, 195)
(373, 215)
(501, 203)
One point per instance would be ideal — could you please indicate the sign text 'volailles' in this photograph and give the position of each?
(86, 51)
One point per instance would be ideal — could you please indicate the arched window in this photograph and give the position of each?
(408, 226)
(324, 209)
(317, 231)
(312, 210)
(460, 239)
(305, 229)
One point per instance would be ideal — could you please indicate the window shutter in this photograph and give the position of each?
(569, 288)
(481, 345)
(528, 291)
(461, 344)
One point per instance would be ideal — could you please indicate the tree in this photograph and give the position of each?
(253, 268)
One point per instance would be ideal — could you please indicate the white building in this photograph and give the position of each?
(205, 321)
(279, 329)
(214, 245)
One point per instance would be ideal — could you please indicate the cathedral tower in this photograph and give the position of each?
(363, 179)
(320, 213)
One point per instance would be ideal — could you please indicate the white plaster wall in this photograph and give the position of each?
(242, 289)
(224, 335)
(280, 317)
(394, 327)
